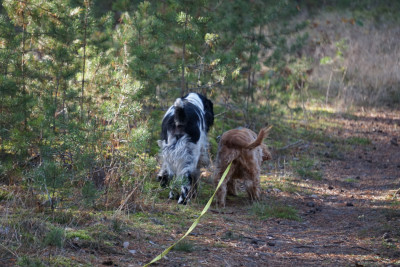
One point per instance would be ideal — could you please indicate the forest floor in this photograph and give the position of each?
(330, 199)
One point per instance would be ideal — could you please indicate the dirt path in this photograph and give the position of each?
(349, 218)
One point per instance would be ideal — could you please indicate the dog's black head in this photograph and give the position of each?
(189, 115)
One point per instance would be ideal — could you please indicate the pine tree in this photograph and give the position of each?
(252, 36)
(50, 84)
(11, 115)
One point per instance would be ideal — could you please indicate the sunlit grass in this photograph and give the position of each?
(351, 180)
(284, 184)
(81, 234)
(307, 168)
(65, 262)
(274, 209)
(355, 140)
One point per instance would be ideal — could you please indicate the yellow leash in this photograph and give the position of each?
(207, 206)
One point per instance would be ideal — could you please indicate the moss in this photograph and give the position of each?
(220, 245)
(81, 234)
(65, 262)
(351, 180)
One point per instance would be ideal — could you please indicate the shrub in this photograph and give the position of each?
(55, 237)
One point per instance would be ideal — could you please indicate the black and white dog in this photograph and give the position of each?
(184, 143)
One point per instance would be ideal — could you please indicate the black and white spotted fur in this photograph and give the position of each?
(184, 143)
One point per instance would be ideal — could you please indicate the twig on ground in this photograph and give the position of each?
(395, 193)
(295, 144)
(367, 249)
(9, 250)
(221, 212)
(125, 201)
(219, 114)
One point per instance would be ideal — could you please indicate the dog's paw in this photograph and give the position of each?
(182, 201)
(184, 195)
(171, 195)
(163, 179)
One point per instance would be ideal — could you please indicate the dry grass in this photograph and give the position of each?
(366, 57)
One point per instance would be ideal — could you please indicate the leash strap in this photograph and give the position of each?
(206, 207)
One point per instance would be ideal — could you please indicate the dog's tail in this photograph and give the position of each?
(261, 135)
(179, 116)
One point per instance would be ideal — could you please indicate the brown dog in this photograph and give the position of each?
(244, 148)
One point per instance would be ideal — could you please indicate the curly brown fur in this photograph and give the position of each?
(244, 148)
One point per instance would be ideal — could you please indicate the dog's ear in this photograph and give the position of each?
(266, 153)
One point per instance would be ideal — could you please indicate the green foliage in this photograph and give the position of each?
(55, 237)
(5, 195)
(116, 225)
(26, 261)
(325, 60)
(89, 193)
(81, 234)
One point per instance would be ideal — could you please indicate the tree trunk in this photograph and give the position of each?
(183, 84)
(84, 56)
(23, 72)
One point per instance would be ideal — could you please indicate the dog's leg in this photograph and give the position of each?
(165, 174)
(233, 182)
(253, 190)
(165, 177)
(189, 189)
(172, 195)
(164, 180)
(183, 197)
(232, 189)
(221, 193)
(185, 189)
(162, 177)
